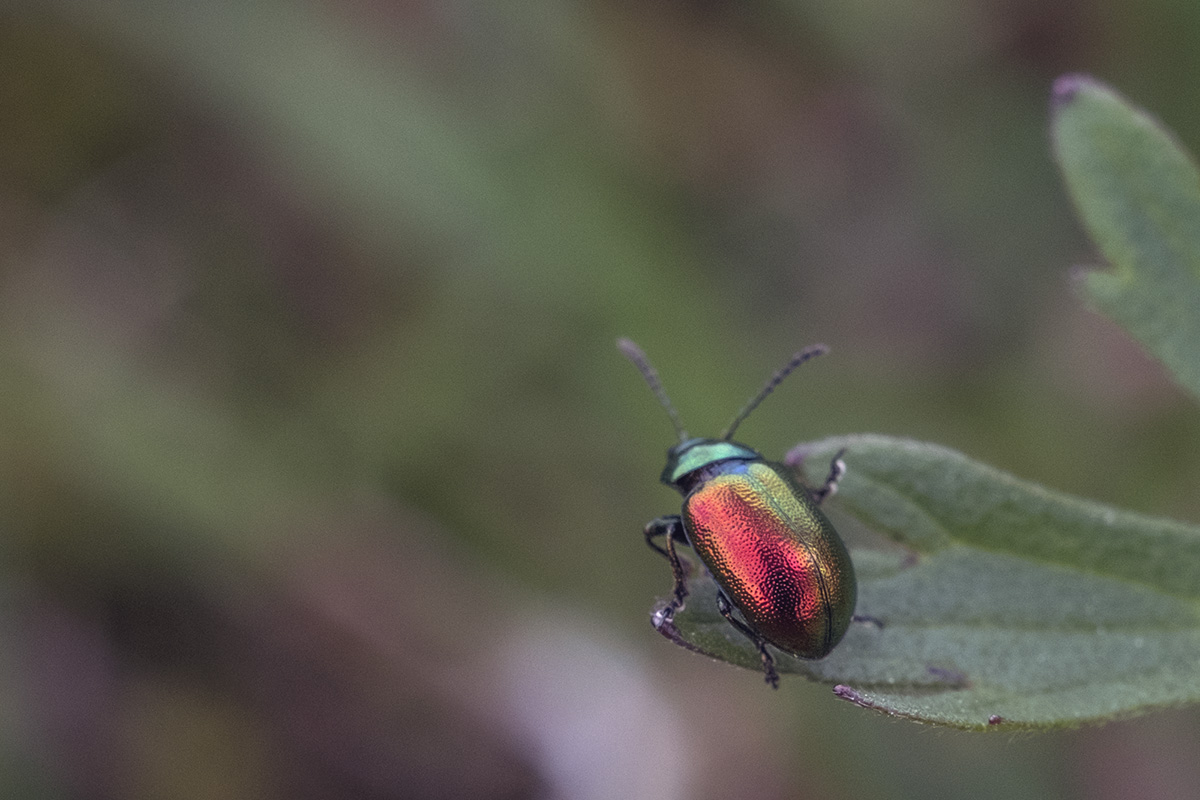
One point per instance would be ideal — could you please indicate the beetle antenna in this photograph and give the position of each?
(812, 351)
(635, 354)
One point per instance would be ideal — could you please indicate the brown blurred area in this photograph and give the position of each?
(320, 476)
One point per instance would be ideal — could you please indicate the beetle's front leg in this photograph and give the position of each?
(672, 528)
(837, 468)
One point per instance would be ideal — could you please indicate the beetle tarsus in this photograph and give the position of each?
(837, 468)
(770, 675)
(671, 528)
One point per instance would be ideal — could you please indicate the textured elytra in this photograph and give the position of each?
(776, 555)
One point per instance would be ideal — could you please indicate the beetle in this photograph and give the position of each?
(775, 557)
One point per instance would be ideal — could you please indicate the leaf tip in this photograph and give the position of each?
(666, 626)
(1067, 86)
(846, 693)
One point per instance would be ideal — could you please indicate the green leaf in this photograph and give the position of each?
(1008, 606)
(1137, 192)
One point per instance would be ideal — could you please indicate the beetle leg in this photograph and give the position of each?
(837, 468)
(672, 528)
(768, 663)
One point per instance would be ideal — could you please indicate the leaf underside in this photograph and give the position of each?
(1006, 607)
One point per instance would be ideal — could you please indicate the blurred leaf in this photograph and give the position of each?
(1138, 194)
(1013, 602)
(535, 231)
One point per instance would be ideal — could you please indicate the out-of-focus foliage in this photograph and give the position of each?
(1138, 193)
(319, 472)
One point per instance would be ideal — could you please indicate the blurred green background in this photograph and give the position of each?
(320, 475)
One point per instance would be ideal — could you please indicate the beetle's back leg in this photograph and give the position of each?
(837, 468)
(768, 662)
(671, 528)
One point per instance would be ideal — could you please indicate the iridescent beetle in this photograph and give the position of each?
(775, 557)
